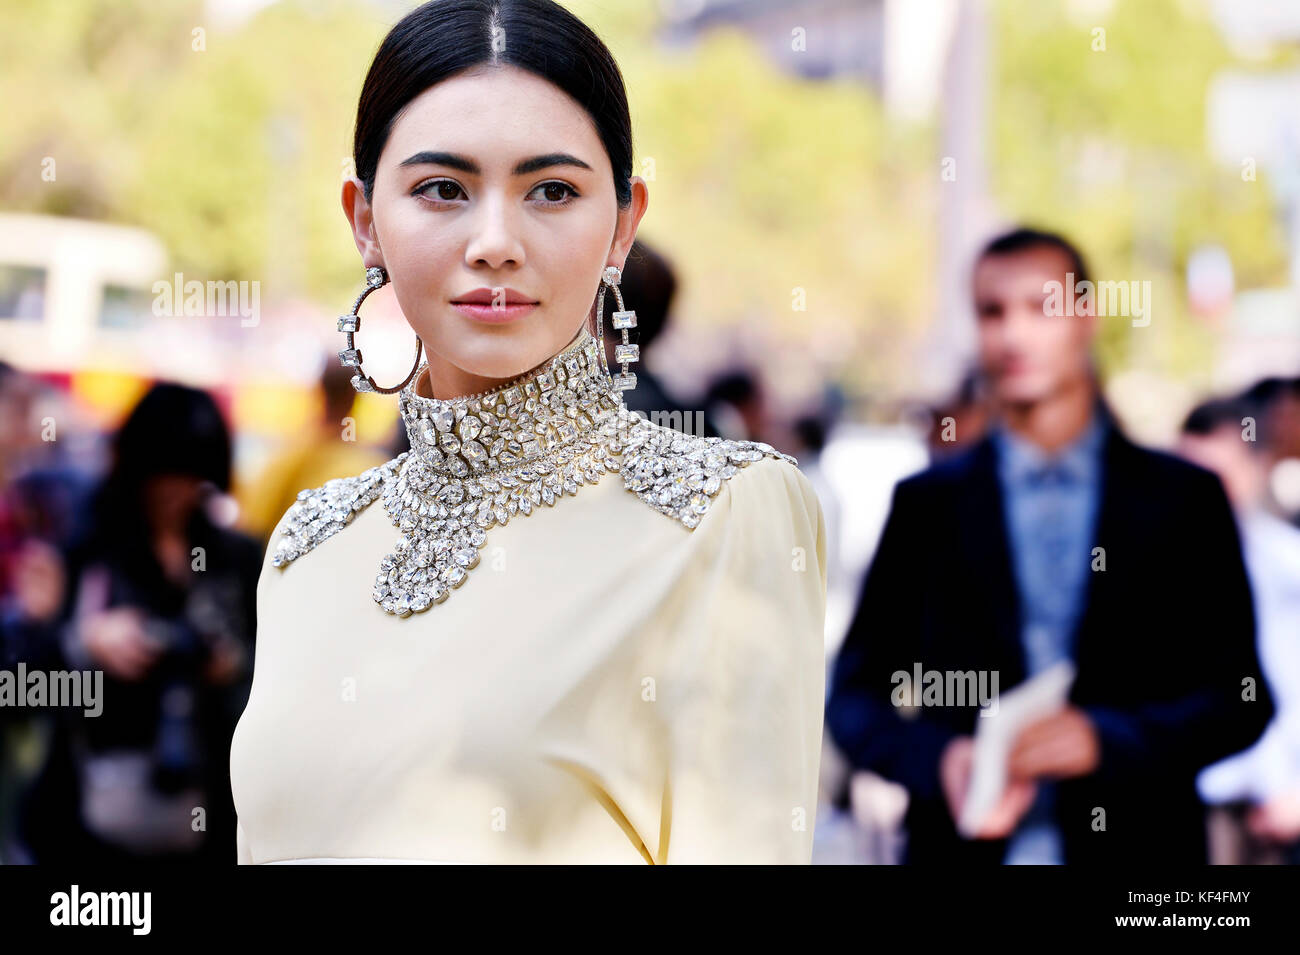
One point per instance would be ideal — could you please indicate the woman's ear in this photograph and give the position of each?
(629, 219)
(361, 218)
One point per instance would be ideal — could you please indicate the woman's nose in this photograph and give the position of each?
(494, 239)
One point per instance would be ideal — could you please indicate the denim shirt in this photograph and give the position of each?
(1051, 503)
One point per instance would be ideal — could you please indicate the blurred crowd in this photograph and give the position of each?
(1169, 580)
(130, 573)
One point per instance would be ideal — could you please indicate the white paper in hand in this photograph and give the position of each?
(996, 733)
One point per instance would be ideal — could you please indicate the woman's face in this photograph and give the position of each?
(493, 181)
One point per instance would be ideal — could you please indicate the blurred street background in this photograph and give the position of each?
(822, 172)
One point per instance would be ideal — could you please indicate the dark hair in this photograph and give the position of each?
(442, 37)
(1209, 416)
(733, 388)
(1023, 238)
(174, 429)
(1268, 390)
(649, 281)
(812, 432)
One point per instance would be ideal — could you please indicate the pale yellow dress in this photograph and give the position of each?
(606, 685)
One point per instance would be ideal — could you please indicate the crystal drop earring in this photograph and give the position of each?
(624, 351)
(350, 324)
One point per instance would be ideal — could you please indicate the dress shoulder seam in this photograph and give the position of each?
(680, 475)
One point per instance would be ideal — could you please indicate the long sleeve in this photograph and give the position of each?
(744, 685)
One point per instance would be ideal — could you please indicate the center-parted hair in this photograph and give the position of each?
(443, 37)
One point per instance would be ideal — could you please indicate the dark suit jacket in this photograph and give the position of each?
(1164, 640)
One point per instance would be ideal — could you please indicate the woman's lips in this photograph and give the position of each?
(495, 314)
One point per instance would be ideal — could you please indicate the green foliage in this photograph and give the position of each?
(1110, 146)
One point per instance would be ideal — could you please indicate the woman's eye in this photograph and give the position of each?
(556, 193)
(443, 190)
(448, 190)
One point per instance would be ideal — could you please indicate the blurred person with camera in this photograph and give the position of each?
(161, 598)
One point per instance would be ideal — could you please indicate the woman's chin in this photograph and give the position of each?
(499, 356)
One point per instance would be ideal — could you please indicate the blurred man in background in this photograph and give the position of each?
(1054, 539)
(1261, 785)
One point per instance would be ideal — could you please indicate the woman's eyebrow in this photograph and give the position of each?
(545, 162)
(465, 164)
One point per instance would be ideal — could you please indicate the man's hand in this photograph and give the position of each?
(1059, 746)
(954, 773)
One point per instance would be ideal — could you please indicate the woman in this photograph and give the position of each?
(492, 649)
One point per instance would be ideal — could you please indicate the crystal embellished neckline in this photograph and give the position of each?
(479, 460)
(513, 424)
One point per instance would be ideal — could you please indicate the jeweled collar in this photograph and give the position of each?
(513, 424)
(479, 460)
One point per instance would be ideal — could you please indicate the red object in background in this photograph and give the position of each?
(59, 379)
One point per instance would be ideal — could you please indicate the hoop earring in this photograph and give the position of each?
(350, 324)
(624, 319)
